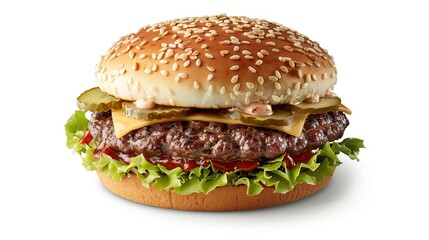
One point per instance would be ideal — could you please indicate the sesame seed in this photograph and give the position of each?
(284, 69)
(224, 52)
(250, 85)
(288, 91)
(204, 46)
(122, 71)
(186, 63)
(183, 56)
(164, 73)
(147, 71)
(199, 39)
(317, 64)
(245, 42)
(299, 73)
(210, 77)
(232, 95)
(276, 98)
(155, 39)
(245, 52)
(177, 78)
(273, 78)
(248, 57)
(261, 80)
(291, 64)
(198, 62)
(308, 78)
(247, 101)
(270, 43)
(236, 48)
(235, 42)
(324, 76)
(278, 75)
(234, 38)
(259, 93)
(126, 49)
(160, 55)
(304, 85)
(153, 56)
(211, 88)
(135, 66)
(234, 68)
(259, 62)
(154, 68)
(260, 55)
(236, 88)
(210, 68)
(208, 55)
(234, 79)
(196, 85)
(253, 70)
(265, 52)
(143, 43)
(175, 66)
(275, 50)
(182, 75)
(229, 31)
(297, 85)
(235, 57)
(163, 61)
(314, 77)
(288, 48)
(169, 53)
(131, 54)
(226, 42)
(222, 90)
(300, 50)
(278, 86)
(142, 56)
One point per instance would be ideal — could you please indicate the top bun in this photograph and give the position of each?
(216, 62)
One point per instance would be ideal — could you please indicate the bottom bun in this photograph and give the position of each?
(228, 198)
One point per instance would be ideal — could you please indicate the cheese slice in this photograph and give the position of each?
(124, 124)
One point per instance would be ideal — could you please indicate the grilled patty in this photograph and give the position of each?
(198, 140)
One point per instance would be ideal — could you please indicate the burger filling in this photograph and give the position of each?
(191, 143)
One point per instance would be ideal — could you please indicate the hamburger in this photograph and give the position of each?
(213, 113)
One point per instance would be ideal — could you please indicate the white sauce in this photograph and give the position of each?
(144, 104)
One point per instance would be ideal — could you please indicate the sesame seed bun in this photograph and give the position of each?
(216, 62)
(228, 198)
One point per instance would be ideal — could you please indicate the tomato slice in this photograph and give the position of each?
(246, 166)
(87, 138)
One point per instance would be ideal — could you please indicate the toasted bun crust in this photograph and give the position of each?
(229, 198)
(216, 62)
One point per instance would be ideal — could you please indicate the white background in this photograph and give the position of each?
(48, 51)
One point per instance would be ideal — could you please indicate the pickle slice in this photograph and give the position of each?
(95, 100)
(158, 112)
(280, 117)
(324, 105)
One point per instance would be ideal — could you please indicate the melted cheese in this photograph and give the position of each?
(124, 124)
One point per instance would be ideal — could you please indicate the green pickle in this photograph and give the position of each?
(324, 105)
(95, 100)
(280, 117)
(158, 112)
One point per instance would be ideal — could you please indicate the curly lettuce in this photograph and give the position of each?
(272, 173)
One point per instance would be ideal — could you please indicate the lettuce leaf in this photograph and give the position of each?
(272, 173)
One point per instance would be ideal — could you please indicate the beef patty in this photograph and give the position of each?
(198, 140)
